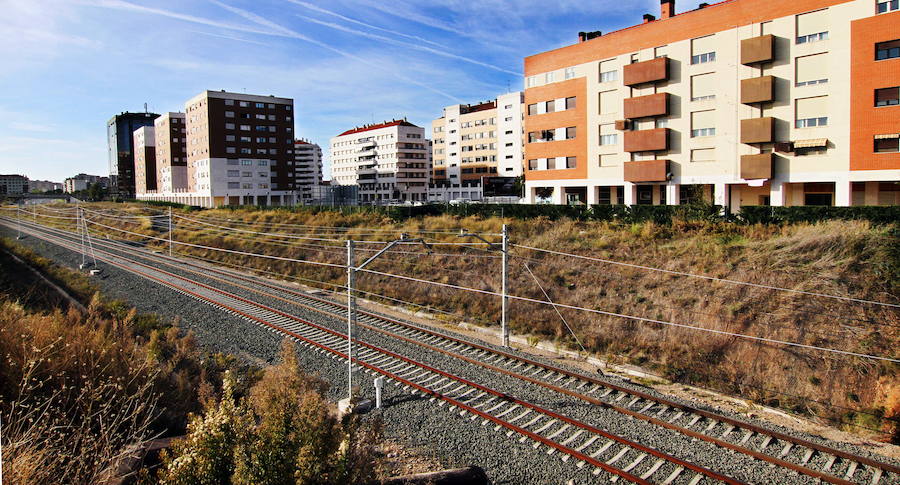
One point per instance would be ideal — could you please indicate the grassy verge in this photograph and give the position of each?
(78, 389)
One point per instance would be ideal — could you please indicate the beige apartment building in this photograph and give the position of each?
(743, 102)
(239, 150)
(473, 145)
(171, 153)
(307, 170)
(390, 162)
(144, 160)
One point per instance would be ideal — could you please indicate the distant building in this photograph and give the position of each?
(120, 138)
(82, 181)
(144, 160)
(171, 153)
(39, 186)
(13, 184)
(475, 142)
(307, 169)
(72, 185)
(389, 162)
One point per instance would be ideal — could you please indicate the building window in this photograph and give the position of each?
(887, 96)
(811, 70)
(245, 127)
(812, 122)
(812, 27)
(230, 150)
(609, 139)
(662, 123)
(531, 81)
(244, 104)
(887, 143)
(887, 50)
(229, 102)
(703, 87)
(229, 126)
(551, 163)
(234, 173)
(888, 6)
(571, 162)
(703, 58)
(609, 76)
(550, 106)
(234, 185)
(245, 151)
(229, 137)
(703, 123)
(548, 77)
(570, 103)
(570, 133)
(570, 72)
(229, 114)
(811, 112)
(247, 163)
(532, 164)
(703, 49)
(245, 139)
(532, 109)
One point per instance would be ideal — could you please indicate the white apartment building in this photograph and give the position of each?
(390, 162)
(474, 143)
(307, 170)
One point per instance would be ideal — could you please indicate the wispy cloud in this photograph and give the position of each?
(228, 37)
(408, 44)
(316, 8)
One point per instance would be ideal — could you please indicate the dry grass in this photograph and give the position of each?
(848, 258)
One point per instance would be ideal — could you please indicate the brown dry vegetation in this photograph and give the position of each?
(846, 258)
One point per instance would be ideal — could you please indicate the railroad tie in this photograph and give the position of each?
(876, 476)
(674, 475)
(851, 470)
(653, 469)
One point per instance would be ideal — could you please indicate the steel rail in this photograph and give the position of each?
(647, 397)
(521, 430)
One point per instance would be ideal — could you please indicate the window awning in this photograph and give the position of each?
(811, 143)
(888, 136)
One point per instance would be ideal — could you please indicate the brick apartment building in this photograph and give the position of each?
(742, 102)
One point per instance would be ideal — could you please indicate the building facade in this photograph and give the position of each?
(82, 181)
(13, 184)
(307, 170)
(390, 162)
(144, 160)
(39, 186)
(472, 143)
(743, 102)
(239, 150)
(120, 146)
(171, 153)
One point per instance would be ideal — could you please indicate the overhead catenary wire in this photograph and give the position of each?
(642, 319)
(711, 278)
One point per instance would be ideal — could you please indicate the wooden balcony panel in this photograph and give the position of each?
(647, 171)
(761, 166)
(647, 140)
(646, 72)
(758, 90)
(758, 130)
(646, 106)
(758, 49)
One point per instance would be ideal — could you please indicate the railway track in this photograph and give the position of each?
(802, 456)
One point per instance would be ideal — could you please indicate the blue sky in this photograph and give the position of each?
(69, 65)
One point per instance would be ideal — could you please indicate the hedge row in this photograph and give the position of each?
(782, 215)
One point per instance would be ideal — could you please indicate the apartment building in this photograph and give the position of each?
(82, 181)
(13, 184)
(307, 170)
(239, 150)
(120, 140)
(743, 102)
(144, 160)
(390, 162)
(38, 186)
(475, 144)
(171, 153)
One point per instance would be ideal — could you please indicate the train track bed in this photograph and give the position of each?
(609, 409)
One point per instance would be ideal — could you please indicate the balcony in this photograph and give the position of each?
(645, 106)
(755, 167)
(646, 72)
(758, 90)
(647, 171)
(758, 130)
(647, 140)
(757, 50)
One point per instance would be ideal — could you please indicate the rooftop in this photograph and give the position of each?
(384, 124)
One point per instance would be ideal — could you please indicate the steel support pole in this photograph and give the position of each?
(170, 232)
(82, 231)
(351, 316)
(18, 221)
(504, 305)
